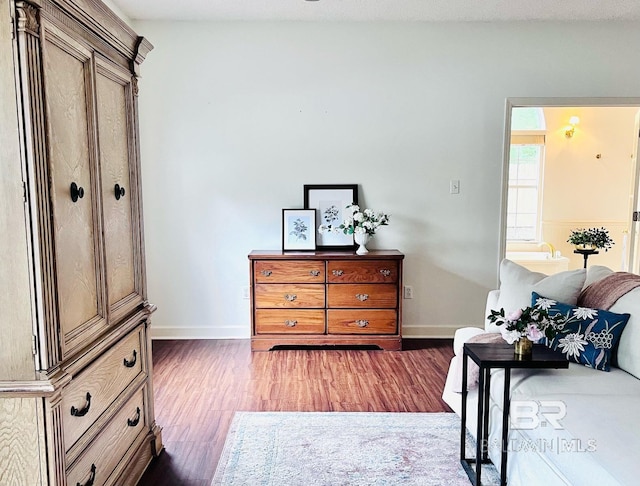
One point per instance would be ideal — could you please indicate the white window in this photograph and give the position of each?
(525, 173)
(526, 162)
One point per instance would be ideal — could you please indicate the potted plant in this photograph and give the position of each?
(591, 239)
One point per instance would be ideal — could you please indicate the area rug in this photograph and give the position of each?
(337, 448)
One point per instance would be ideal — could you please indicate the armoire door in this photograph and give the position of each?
(68, 74)
(114, 99)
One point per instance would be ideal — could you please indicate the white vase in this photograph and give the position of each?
(362, 239)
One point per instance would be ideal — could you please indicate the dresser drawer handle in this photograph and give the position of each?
(362, 322)
(314, 273)
(135, 421)
(76, 192)
(118, 191)
(290, 323)
(83, 411)
(290, 297)
(132, 363)
(385, 272)
(91, 479)
(266, 273)
(338, 273)
(362, 297)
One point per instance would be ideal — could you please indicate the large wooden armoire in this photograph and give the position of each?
(76, 395)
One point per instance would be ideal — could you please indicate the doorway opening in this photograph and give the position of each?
(570, 163)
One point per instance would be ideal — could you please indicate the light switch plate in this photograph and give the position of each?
(454, 186)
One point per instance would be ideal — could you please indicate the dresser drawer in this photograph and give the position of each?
(110, 446)
(365, 321)
(289, 296)
(362, 295)
(295, 321)
(289, 271)
(94, 389)
(360, 271)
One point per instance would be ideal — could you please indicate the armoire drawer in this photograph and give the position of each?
(94, 389)
(109, 447)
(362, 295)
(284, 296)
(365, 321)
(311, 271)
(357, 271)
(290, 321)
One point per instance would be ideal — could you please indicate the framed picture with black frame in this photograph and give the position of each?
(330, 202)
(298, 230)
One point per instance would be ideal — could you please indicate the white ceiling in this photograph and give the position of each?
(371, 10)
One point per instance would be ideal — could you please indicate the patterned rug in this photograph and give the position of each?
(336, 448)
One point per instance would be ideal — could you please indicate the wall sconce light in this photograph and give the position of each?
(571, 130)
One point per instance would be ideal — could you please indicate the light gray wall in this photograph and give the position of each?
(237, 117)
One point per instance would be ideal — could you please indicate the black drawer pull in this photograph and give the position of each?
(91, 479)
(132, 363)
(119, 192)
(135, 421)
(83, 411)
(76, 191)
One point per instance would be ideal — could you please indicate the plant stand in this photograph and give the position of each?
(585, 254)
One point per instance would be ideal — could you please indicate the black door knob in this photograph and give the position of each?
(118, 191)
(76, 191)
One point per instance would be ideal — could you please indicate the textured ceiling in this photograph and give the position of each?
(371, 10)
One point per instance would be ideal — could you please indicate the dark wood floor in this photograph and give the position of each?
(200, 384)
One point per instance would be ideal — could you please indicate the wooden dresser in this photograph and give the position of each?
(326, 298)
(76, 392)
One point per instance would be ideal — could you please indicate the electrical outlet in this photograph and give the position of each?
(454, 186)
(408, 292)
(245, 292)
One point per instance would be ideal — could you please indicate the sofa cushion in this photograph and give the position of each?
(601, 410)
(589, 336)
(628, 355)
(517, 283)
(595, 273)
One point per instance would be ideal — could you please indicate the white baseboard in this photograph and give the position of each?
(431, 332)
(199, 333)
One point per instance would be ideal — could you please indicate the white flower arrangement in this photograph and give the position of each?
(358, 222)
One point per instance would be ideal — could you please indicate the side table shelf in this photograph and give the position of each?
(326, 298)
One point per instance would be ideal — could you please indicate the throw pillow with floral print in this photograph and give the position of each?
(588, 336)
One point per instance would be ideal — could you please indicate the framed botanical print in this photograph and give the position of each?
(329, 202)
(298, 229)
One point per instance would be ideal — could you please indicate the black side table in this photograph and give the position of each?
(487, 357)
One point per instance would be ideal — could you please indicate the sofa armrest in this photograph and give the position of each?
(492, 303)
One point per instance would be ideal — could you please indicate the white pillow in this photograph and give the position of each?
(629, 346)
(517, 283)
(595, 273)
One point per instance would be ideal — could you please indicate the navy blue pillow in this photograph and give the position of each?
(589, 336)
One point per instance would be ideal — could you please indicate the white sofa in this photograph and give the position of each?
(599, 439)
